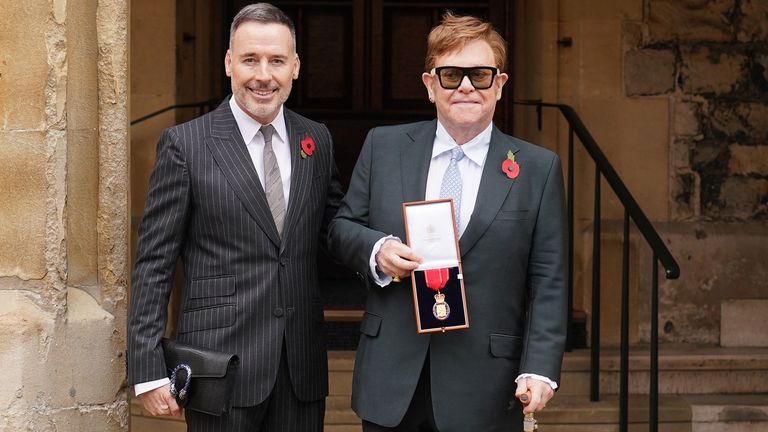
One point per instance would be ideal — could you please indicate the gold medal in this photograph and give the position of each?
(441, 310)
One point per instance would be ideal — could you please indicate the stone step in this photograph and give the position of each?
(728, 413)
(570, 413)
(563, 414)
(575, 413)
(683, 369)
(735, 314)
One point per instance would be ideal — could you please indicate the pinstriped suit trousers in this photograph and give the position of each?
(281, 412)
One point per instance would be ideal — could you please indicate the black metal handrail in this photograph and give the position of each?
(660, 252)
(209, 104)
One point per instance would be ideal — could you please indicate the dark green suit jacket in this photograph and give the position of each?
(513, 258)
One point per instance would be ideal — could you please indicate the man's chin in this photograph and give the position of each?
(263, 113)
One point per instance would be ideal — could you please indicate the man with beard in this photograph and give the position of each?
(243, 195)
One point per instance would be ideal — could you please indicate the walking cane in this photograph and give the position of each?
(529, 422)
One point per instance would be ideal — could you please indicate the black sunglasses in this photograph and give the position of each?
(450, 77)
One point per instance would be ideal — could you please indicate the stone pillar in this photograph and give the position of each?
(63, 215)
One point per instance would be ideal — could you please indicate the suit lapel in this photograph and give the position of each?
(230, 153)
(301, 173)
(493, 190)
(415, 157)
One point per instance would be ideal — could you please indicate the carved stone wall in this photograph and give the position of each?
(63, 217)
(711, 59)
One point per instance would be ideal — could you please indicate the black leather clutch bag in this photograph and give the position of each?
(201, 379)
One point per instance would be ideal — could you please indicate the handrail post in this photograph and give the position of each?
(624, 368)
(653, 420)
(569, 201)
(594, 384)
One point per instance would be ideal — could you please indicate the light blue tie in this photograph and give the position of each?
(451, 186)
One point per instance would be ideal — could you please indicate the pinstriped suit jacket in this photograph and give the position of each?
(245, 290)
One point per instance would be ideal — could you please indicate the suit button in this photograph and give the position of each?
(283, 261)
(278, 312)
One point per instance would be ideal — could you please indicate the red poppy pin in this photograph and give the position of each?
(510, 167)
(307, 147)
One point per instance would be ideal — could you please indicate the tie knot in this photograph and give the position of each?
(267, 131)
(457, 153)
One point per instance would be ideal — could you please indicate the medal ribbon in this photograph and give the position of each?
(436, 278)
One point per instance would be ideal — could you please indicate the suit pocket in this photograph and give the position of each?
(216, 286)
(512, 214)
(205, 318)
(506, 346)
(370, 325)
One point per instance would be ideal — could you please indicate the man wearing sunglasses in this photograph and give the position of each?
(508, 197)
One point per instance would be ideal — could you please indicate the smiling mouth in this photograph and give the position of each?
(262, 93)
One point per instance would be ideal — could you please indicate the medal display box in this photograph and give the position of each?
(439, 300)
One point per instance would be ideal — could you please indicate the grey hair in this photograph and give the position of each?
(263, 13)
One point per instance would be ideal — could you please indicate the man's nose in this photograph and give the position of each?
(262, 71)
(466, 84)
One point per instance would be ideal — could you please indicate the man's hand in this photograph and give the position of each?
(541, 393)
(396, 259)
(159, 402)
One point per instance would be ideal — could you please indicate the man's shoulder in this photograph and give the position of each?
(306, 122)
(528, 148)
(404, 128)
(205, 125)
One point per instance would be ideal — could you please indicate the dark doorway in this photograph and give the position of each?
(361, 66)
(362, 62)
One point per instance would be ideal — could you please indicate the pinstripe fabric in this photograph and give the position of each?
(245, 290)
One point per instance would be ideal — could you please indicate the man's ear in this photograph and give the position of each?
(296, 66)
(502, 79)
(427, 78)
(228, 63)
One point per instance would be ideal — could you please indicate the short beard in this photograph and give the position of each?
(260, 111)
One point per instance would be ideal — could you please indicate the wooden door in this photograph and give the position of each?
(361, 66)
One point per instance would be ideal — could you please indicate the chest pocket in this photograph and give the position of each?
(216, 286)
(513, 214)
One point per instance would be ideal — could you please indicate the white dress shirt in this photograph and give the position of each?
(249, 130)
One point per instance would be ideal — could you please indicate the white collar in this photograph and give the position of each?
(475, 149)
(250, 127)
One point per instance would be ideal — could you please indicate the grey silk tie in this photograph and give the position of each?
(451, 186)
(273, 184)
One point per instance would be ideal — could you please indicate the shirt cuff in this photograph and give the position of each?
(150, 385)
(537, 377)
(380, 278)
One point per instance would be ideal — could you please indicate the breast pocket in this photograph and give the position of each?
(215, 286)
(513, 214)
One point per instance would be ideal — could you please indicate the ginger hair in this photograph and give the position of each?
(455, 31)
